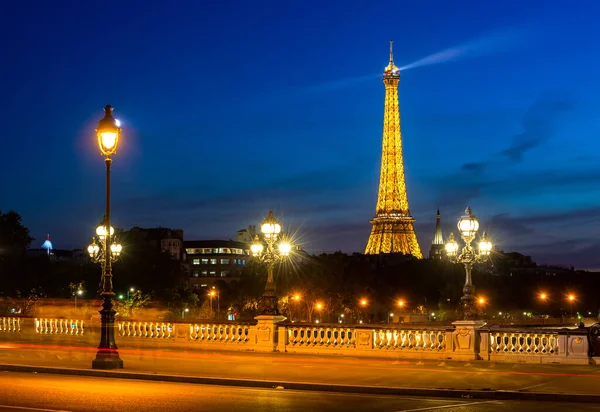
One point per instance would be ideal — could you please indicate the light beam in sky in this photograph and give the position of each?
(495, 42)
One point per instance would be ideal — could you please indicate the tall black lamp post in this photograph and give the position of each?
(107, 357)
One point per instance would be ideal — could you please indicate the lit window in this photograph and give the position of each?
(195, 273)
(205, 261)
(213, 261)
(196, 261)
(224, 273)
(224, 261)
(243, 262)
(204, 272)
(213, 273)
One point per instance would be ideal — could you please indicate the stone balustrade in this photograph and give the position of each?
(10, 324)
(52, 326)
(463, 340)
(220, 333)
(150, 330)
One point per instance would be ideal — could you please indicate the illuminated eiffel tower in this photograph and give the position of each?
(393, 230)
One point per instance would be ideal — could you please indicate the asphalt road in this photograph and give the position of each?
(52, 393)
(322, 369)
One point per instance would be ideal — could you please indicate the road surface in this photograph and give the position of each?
(324, 369)
(52, 393)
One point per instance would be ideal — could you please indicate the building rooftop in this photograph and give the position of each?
(214, 244)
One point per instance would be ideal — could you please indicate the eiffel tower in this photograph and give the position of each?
(393, 230)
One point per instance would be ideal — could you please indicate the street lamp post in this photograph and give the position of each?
(270, 229)
(571, 300)
(78, 292)
(211, 295)
(468, 225)
(107, 357)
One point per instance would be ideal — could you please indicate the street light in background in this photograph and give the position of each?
(468, 225)
(107, 357)
(78, 292)
(319, 307)
(571, 298)
(216, 291)
(294, 299)
(211, 295)
(132, 290)
(270, 229)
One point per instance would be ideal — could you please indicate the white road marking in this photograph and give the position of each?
(25, 408)
(534, 386)
(447, 406)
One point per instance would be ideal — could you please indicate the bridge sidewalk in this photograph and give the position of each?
(322, 372)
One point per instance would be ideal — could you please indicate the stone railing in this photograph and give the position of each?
(151, 330)
(551, 345)
(395, 341)
(51, 326)
(463, 340)
(221, 333)
(10, 324)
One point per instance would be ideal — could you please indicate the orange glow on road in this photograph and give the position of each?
(228, 357)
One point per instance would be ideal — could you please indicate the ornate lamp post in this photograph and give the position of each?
(97, 250)
(274, 251)
(468, 225)
(107, 357)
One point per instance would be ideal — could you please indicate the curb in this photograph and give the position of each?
(320, 387)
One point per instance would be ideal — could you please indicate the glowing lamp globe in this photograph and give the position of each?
(101, 231)
(108, 133)
(485, 246)
(270, 226)
(285, 248)
(256, 249)
(93, 249)
(451, 246)
(116, 249)
(468, 225)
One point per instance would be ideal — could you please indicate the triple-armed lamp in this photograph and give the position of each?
(269, 251)
(468, 225)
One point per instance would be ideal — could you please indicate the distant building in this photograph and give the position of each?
(164, 239)
(247, 235)
(209, 260)
(437, 250)
(47, 245)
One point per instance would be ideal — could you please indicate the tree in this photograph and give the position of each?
(180, 298)
(14, 237)
(14, 241)
(142, 263)
(129, 307)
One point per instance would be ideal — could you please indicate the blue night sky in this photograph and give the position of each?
(232, 108)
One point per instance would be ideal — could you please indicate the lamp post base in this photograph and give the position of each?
(107, 360)
(268, 305)
(467, 307)
(107, 356)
